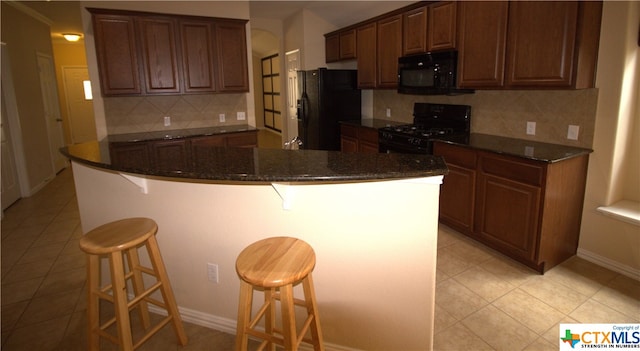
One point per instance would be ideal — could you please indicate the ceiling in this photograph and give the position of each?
(65, 15)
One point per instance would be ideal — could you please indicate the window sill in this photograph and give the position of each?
(625, 210)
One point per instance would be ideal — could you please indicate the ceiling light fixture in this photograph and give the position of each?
(71, 37)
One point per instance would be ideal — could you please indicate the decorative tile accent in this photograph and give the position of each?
(506, 112)
(145, 114)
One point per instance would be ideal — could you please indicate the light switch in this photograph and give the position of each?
(572, 133)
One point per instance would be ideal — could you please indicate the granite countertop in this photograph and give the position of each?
(178, 133)
(528, 149)
(274, 165)
(374, 123)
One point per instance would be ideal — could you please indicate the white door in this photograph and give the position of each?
(10, 183)
(82, 124)
(51, 110)
(293, 65)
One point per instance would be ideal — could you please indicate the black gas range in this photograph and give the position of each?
(430, 122)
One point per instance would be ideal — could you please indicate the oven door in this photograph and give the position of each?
(388, 146)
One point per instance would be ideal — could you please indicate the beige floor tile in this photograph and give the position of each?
(62, 281)
(49, 307)
(42, 336)
(541, 344)
(484, 283)
(499, 330)
(580, 275)
(442, 320)
(26, 271)
(12, 313)
(513, 272)
(43, 254)
(594, 312)
(471, 251)
(457, 338)
(441, 275)
(20, 291)
(553, 334)
(458, 300)
(450, 263)
(528, 310)
(623, 295)
(556, 295)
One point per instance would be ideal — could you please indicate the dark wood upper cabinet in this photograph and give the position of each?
(232, 56)
(159, 54)
(366, 55)
(541, 42)
(198, 56)
(117, 53)
(415, 31)
(389, 49)
(171, 54)
(482, 41)
(332, 48)
(348, 44)
(442, 26)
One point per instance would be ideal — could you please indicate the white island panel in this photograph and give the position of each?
(375, 244)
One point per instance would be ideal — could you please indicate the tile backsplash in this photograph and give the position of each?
(144, 114)
(507, 112)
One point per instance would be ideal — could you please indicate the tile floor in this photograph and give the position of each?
(484, 301)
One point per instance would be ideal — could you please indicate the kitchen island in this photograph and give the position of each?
(371, 218)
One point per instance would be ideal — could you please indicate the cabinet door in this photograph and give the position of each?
(482, 41)
(389, 49)
(248, 139)
(348, 144)
(117, 54)
(366, 55)
(159, 54)
(348, 44)
(130, 155)
(507, 215)
(332, 48)
(415, 31)
(458, 190)
(442, 26)
(541, 43)
(231, 44)
(197, 56)
(171, 155)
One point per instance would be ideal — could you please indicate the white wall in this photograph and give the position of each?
(375, 270)
(603, 239)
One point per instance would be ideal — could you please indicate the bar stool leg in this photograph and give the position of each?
(167, 292)
(288, 318)
(270, 316)
(138, 285)
(93, 305)
(244, 315)
(312, 309)
(120, 301)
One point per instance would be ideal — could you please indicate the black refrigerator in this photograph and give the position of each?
(327, 96)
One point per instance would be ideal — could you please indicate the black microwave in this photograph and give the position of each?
(429, 74)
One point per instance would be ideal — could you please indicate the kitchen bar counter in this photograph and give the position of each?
(528, 149)
(274, 165)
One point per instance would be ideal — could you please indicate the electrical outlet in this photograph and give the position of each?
(212, 272)
(388, 112)
(572, 133)
(531, 128)
(222, 118)
(240, 116)
(167, 121)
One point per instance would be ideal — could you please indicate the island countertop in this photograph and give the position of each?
(274, 165)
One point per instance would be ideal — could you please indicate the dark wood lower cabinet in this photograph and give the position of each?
(526, 209)
(358, 139)
(177, 154)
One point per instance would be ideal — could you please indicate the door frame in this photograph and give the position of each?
(13, 119)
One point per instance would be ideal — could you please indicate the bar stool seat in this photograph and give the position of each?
(116, 240)
(275, 265)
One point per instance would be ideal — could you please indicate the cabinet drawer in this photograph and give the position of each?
(511, 169)
(456, 155)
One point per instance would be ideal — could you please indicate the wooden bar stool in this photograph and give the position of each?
(275, 265)
(114, 240)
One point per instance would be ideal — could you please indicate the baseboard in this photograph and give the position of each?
(228, 325)
(609, 264)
